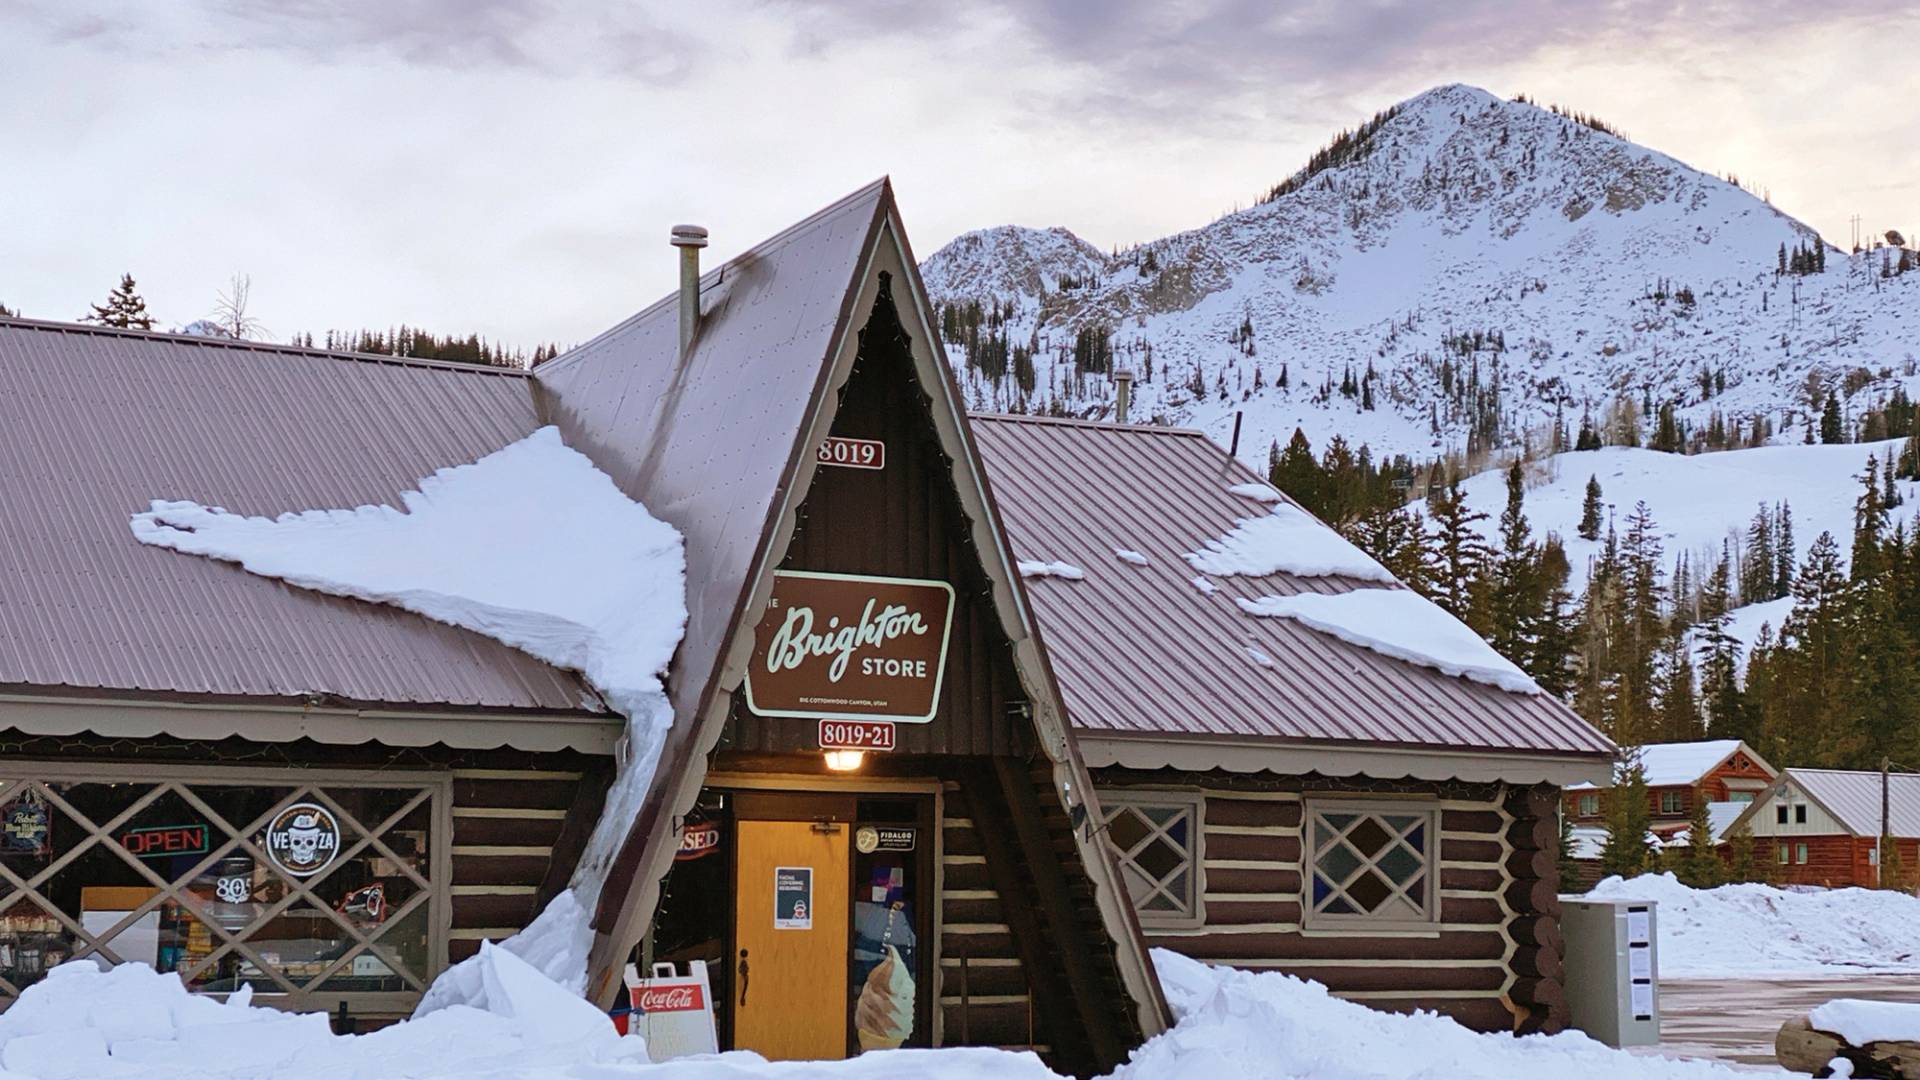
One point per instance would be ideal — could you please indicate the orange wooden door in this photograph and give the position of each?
(791, 1003)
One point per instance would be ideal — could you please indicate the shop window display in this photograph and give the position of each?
(298, 889)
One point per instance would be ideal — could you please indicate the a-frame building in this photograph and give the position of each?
(810, 444)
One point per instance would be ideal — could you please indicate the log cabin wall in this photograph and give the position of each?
(519, 818)
(1493, 962)
(984, 993)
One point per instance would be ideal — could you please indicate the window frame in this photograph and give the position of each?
(1785, 855)
(1321, 923)
(1799, 813)
(1800, 854)
(1114, 802)
(1588, 804)
(1670, 796)
(434, 790)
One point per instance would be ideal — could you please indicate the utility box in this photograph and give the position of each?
(1613, 992)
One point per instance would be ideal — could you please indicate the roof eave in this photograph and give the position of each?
(278, 720)
(1207, 753)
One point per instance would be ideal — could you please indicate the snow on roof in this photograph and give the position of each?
(1399, 623)
(532, 546)
(1055, 483)
(1720, 817)
(1679, 764)
(1287, 541)
(1036, 568)
(1683, 763)
(257, 428)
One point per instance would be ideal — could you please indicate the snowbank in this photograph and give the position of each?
(1242, 1024)
(530, 545)
(1402, 624)
(1290, 541)
(129, 1021)
(1738, 930)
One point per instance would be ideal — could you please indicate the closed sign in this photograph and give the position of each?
(844, 647)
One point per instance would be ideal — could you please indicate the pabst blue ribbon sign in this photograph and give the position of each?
(841, 647)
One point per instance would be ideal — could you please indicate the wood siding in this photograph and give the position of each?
(902, 521)
(1833, 860)
(1493, 960)
(985, 997)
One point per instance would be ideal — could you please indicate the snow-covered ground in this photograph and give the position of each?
(1697, 501)
(1242, 1025)
(81, 1023)
(1758, 930)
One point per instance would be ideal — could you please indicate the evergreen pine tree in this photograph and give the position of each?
(1457, 555)
(1566, 850)
(1720, 689)
(1741, 865)
(1628, 849)
(1515, 593)
(1556, 642)
(1588, 439)
(1783, 550)
(124, 308)
(1299, 475)
(1590, 511)
(1700, 866)
(1679, 707)
(1831, 430)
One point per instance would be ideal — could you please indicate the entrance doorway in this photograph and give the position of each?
(832, 899)
(790, 937)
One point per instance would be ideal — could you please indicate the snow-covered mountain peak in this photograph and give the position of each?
(1011, 260)
(1457, 271)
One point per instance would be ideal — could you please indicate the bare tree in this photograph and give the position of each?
(230, 313)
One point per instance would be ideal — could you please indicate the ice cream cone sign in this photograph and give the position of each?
(884, 1015)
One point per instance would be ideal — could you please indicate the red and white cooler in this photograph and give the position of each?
(674, 1013)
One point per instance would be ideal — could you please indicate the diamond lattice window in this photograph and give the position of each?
(313, 889)
(1370, 864)
(1156, 841)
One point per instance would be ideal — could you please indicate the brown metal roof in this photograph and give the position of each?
(705, 442)
(100, 422)
(1853, 798)
(1139, 651)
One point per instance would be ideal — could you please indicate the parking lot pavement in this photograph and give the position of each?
(1735, 1020)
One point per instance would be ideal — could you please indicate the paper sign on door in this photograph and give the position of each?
(793, 898)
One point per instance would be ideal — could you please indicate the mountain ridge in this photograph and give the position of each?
(1466, 270)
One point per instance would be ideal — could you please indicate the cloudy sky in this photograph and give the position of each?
(511, 167)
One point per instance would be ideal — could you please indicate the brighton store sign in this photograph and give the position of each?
(842, 647)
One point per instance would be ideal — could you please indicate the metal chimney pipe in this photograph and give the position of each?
(689, 239)
(1122, 395)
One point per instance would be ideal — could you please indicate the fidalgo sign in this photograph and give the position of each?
(842, 647)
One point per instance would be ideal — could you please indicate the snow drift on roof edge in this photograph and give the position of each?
(1403, 624)
(1287, 541)
(532, 546)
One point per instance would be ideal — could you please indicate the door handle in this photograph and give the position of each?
(743, 978)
